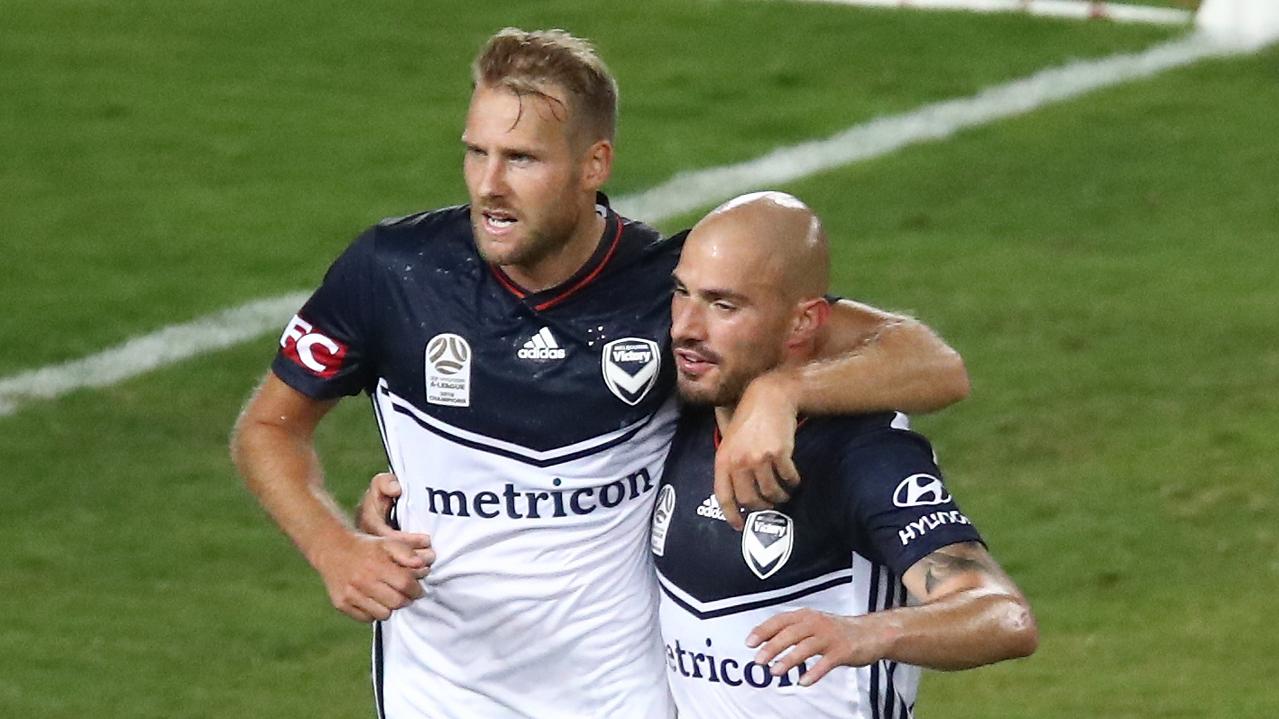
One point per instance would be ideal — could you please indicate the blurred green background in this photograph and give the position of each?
(1106, 266)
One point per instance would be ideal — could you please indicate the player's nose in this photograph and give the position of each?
(687, 322)
(493, 178)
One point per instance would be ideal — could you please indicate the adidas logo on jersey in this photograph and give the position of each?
(541, 346)
(710, 509)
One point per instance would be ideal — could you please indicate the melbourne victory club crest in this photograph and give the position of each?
(767, 541)
(448, 371)
(630, 367)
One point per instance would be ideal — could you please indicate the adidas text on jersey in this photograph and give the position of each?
(541, 346)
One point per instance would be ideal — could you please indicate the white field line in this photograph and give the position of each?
(683, 193)
(1079, 9)
(161, 348)
(688, 191)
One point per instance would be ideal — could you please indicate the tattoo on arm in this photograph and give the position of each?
(950, 561)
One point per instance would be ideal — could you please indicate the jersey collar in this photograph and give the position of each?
(585, 275)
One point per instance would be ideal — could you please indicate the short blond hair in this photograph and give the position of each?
(525, 62)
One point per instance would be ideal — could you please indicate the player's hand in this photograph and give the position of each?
(375, 507)
(753, 467)
(841, 641)
(368, 577)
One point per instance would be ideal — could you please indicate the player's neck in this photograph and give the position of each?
(794, 359)
(561, 264)
(724, 417)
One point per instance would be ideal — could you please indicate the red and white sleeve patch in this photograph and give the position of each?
(316, 352)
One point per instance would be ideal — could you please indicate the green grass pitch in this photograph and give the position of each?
(1106, 266)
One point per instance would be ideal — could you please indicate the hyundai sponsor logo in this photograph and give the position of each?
(920, 490)
(925, 524)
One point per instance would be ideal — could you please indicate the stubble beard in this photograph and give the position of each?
(724, 393)
(536, 245)
(728, 391)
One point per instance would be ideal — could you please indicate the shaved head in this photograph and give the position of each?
(776, 233)
(749, 294)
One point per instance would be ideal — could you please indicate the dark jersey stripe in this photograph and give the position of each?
(378, 673)
(758, 604)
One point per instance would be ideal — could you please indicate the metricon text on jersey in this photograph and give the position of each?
(517, 504)
(727, 671)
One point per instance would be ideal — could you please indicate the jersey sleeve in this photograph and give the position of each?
(325, 351)
(897, 500)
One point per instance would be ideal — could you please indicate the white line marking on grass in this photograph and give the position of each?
(1078, 9)
(683, 193)
(158, 349)
(689, 191)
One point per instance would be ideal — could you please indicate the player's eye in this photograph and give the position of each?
(724, 306)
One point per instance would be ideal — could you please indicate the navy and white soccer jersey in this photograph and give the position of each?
(528, 431)
(871, 504)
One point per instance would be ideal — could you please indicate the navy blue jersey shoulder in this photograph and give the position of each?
(866, 487)
(411, 310)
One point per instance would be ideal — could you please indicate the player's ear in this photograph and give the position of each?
(597, 164)
(810, 316)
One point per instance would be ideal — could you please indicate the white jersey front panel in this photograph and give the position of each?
(713, 676)
(542, 600)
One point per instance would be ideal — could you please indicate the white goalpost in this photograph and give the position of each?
(1251, 23)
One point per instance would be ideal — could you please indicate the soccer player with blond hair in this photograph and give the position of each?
(516, 351)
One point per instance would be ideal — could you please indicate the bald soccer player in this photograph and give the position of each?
(516, 352)
(868, 572)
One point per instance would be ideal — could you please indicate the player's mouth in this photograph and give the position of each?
(693, 363)
(498, 222)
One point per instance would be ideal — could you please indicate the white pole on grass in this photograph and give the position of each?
(1250, 23)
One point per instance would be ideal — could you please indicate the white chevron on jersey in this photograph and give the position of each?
(532, 456)
(731, 604)
(542, 600)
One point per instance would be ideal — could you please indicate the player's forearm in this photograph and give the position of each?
(903, 366)
(959, 631)
(283, 472)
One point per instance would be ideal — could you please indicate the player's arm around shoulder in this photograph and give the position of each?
(273, 449)
(969, 613)
(867, 360)
(871, 360)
